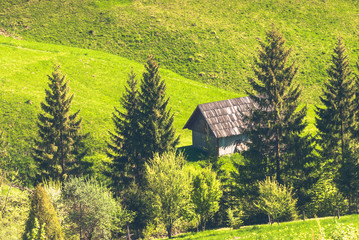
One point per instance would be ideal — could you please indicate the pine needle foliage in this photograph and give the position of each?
(336, 121)
(156, 121)
(57, 150)
(274, 119)
(335, 118)
(124, 146)
(42, 217)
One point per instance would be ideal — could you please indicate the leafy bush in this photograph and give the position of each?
(14, 205)
(276, 200)
(169, 185)
(92, 212)
(206, 195)
(326, 198)
(234, 218)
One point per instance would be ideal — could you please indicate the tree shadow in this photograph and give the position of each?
(192, 154)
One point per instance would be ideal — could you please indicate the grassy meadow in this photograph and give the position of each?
(96, 79)
(323, 228)
(208, 41)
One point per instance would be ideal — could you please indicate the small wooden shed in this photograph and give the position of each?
(217, 126)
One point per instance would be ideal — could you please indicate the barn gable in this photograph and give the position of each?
(221, 120)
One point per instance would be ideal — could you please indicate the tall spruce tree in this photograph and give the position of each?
(58, 149)
(335, 117)
(336, 121)
(274, 121)
(156, 121)
(124, 146)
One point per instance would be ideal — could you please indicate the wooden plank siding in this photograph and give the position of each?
(220, 120)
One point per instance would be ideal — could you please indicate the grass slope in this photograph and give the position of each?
(324, 228)
(97, 80)
(209, 41)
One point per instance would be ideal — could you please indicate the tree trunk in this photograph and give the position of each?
(128, 233)
(204, 225)
(279, 180)
(342, 138)
(269, 220)
(169, 231)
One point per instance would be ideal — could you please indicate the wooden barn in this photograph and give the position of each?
(217, 126)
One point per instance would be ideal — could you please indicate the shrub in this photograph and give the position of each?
(92, 212)
(15, 206)
(326, 198)
(276, 200)
(234, 218)
(169, 185)
(42, 210)
(206, 195)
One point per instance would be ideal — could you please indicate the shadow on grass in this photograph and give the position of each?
(192, 154)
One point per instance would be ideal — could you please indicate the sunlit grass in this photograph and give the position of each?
(97, 81)
(208, 41)
(299, 230)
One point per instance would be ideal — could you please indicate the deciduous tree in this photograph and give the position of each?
(276, 200)
(170, 187)
(206, 195)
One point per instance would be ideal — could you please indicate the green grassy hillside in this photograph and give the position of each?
(346, 227)
(209, 41)
(97, 80)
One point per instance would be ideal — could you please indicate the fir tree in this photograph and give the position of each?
(124, 146)
(274, 119)
(156, 122)
(58, 150)
(335, 119)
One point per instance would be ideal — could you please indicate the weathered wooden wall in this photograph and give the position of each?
(227, 145)
(204, 142)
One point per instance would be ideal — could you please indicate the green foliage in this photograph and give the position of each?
(337, 122)
(275, 121)
(326, 199)
(169, 186)
(234, 218)
(156, 121)
(43, 211)
(125, 140)
(276, 200)
(206, 195)
(38, 232)
(92, 212)
(3, 147)
(335, 118)
(57, 150)
(14, 208)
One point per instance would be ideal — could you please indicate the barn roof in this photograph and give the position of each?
(224, 118)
